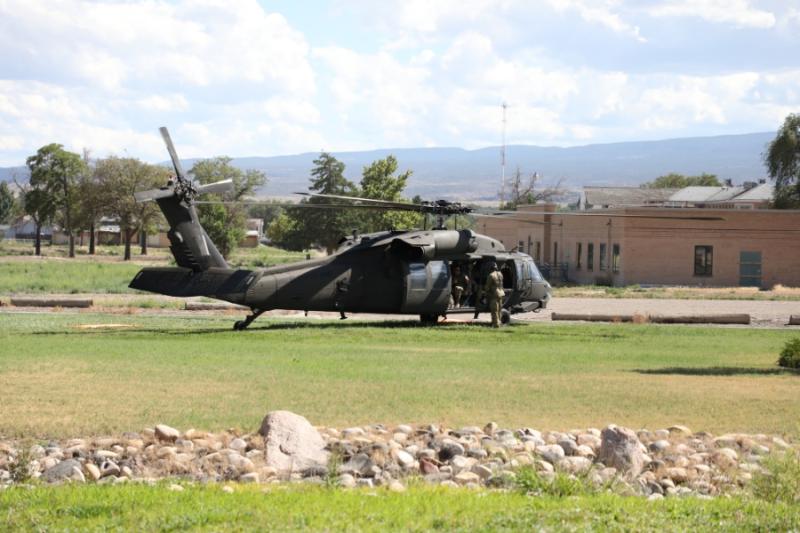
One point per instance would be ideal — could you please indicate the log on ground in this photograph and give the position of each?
(51, 302)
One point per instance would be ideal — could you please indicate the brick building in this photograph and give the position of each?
(749, 247)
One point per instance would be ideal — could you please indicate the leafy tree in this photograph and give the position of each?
(783, 163)
(674, 180)
(324, 226)
(283, 231)
(527, 190)
(93, 200)
(39, 204)
(57, 171)
(120, 178)
(225, 224)
(7, 203)
(380, 182)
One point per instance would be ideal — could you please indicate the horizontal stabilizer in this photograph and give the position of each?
(153, 194)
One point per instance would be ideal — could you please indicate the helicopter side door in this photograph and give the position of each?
(426, 287)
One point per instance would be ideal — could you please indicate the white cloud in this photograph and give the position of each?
(738, 13)
(599, 12)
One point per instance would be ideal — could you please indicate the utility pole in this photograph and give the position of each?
(503, 161)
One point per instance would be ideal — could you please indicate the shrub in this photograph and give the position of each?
(560, 484)
(781, 480)
(790, 355)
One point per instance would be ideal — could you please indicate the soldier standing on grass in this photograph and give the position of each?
(494, 293)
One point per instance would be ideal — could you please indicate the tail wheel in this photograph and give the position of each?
(428, 319)
(505, 316)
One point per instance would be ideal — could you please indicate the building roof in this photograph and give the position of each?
(705, 194)
(625, 196)
(762, 192)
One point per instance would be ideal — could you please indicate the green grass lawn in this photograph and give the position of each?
(59, 380)
(144, 508)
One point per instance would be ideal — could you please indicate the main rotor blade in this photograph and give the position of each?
(216, 187)
(152, 194)
(172, 153)
(292, 206)
(372, 201)
(519, 214)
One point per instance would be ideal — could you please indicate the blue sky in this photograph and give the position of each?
(278, 76)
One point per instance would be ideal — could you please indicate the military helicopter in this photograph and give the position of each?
(388, 272)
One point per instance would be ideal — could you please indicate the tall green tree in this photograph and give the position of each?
(324, 226)
(120, 178)
(39, 204)
(7, 203)
(673, 180)
(57, 170)
(380, 183)
(225, 224)
(93, 201)
(783, 163)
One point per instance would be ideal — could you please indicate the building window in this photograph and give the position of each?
(520, 246)
(529, 244)
(703, 260)
(603, 252)
(590, 256)
(578, 254)
(538, 257)
(615, 258)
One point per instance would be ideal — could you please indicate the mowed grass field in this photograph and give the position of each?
(143, 508)
(60, 378)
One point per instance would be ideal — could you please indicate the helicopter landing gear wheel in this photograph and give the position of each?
(428, 319)
(241, 325)
(505, 316)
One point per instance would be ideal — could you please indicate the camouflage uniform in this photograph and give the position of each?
(494, 293)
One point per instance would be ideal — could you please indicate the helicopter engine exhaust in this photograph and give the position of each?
(435, 245)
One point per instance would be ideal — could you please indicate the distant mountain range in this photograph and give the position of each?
(475, 174)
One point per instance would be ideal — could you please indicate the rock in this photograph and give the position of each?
(725, 458)
(484, 472)
(365, 482)
(403, 428)
(62, 471)
(404, 459)
(569, 446)
(780, 443)
(450, 449)
(551, 453)
(655, 497)
(176, 488)
(466, 477)
(237, 444)
(165, 433)
(77, 475)
(620, 448)
(490, 428)
(659, 445)
(292, 443)
(360, 464)
(109, 468)
(250, 477)
(396, 486)
(575, 464)
(682, 431)
(347, 481)
(106, 454)
(677, 474)
(227, 489)
(349, 433)
(426, 466)
(459, 463)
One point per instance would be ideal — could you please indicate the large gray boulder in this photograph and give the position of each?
(292, 443)
(620, 448)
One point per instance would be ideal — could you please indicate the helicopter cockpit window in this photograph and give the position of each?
(417, 276)
(534, 272)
